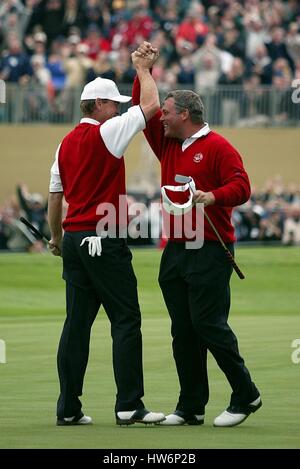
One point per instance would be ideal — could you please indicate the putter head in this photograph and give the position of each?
(182, 179)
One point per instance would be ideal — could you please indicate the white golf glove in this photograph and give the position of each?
(95, 247)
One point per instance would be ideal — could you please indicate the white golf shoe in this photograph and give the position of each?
(233, 416)
(179, 417)
(79, 420)
(139, 416)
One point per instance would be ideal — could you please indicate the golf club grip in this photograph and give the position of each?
(32, 228)
(234, 265)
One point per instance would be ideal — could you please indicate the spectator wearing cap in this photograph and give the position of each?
(41, 75)
(40, 37)
(37, 44)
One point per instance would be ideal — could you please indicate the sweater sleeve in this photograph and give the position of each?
(154, 131)
(234, 187)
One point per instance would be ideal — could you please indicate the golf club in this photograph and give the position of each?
(36, 233)
(186, 179)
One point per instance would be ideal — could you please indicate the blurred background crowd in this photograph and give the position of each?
(271, 216)
(241, 56)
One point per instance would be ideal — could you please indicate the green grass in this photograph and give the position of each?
(264, 314)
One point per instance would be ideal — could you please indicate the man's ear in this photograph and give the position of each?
(98, 103)
(185, 114)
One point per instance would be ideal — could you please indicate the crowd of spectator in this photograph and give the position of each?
(14, 235)
(271, 216)
(62, 44)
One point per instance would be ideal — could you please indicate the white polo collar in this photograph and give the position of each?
(88, 120)
(200, 133)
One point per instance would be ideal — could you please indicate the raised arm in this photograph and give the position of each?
(118, 131)
(149, 97)
(143, 60)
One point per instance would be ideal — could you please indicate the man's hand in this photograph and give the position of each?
(145, 56)
(55, 247)
(206, 198)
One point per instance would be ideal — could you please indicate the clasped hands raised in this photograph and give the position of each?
(145, 55)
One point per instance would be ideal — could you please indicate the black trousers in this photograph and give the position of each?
(107, 280)
(195, 286)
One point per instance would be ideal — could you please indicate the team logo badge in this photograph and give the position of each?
(198, 157)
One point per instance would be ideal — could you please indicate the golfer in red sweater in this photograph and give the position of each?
(195, 282)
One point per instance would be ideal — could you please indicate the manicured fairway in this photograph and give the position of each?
(265, 315)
